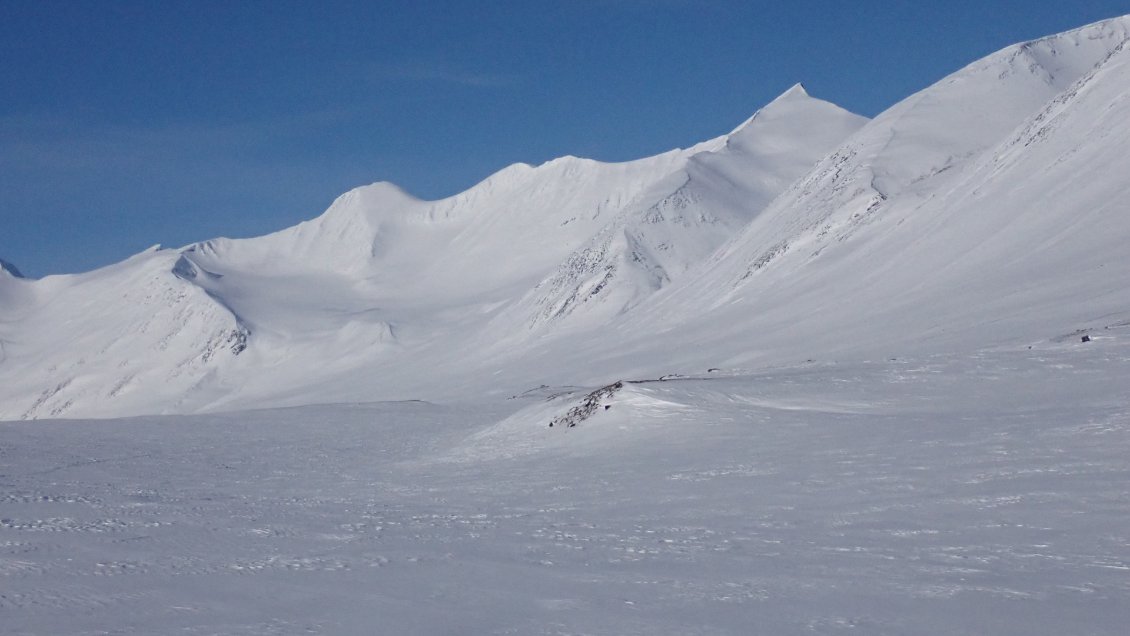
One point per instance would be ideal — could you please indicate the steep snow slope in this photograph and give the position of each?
(689, 214)
(134, 330)
(378, 293)
(921, 146)
(988, 209)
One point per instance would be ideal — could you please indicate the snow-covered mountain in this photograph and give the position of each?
(986, 210)
(690, 212)
(384, 279)
(989, 208)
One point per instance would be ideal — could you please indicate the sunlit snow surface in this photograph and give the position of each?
(981, 493)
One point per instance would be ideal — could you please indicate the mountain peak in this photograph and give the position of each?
(9, 269)
(791, 109)
(385, 191)
(795, 91)
(794, 96)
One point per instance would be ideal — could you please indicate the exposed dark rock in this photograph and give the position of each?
(237, 341)
(588, 406)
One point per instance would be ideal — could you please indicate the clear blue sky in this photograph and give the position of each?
(124, 124)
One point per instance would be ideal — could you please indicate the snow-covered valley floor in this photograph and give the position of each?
(982, 493)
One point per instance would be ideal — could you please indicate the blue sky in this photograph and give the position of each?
(125, 124)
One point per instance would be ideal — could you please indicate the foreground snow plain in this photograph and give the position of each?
(977, 493)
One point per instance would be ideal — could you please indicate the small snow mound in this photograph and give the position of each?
(592, 403)
(585, 421)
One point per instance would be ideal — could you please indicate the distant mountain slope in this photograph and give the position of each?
(987, 210)
(383, 279)
(135, 331)
(691, 212)
(922, 145)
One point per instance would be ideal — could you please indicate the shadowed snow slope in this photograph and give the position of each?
(986, 210)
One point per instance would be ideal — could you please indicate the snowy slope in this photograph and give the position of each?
(920, 147)
(989, 209)
(691, 212)
(135, 328)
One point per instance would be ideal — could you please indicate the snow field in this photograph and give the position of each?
(947, 494)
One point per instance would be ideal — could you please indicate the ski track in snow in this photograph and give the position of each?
(951, 494)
